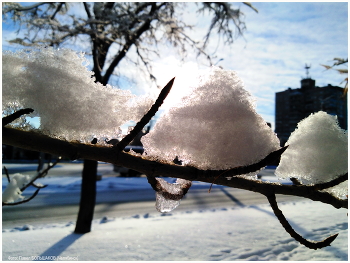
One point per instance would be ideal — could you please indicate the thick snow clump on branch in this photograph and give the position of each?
(317, 152)
(215, 126)
(58, 86)
(12, 192)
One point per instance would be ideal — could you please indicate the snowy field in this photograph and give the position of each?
(227, 233)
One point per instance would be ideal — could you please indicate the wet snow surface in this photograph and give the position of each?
(227, 233)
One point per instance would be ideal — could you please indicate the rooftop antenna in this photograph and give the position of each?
(307, 70)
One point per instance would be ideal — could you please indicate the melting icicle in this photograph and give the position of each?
(168, 196)
(164, 205)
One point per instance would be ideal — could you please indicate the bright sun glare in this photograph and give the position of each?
(185, 77)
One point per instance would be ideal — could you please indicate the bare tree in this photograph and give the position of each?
(116, 31)
(114, 28)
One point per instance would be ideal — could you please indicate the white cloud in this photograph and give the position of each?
(278, 42)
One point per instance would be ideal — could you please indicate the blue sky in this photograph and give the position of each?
(271, 57)
(278, 42)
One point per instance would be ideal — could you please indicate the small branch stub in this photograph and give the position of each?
(147, 117)
(10, 118)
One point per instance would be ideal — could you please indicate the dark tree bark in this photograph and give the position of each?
(87, 197)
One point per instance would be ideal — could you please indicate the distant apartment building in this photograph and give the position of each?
(293, 105)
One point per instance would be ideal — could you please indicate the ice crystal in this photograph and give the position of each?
(169, 195)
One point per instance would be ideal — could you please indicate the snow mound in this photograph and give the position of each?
(58, 86)
(317, 152)
(227, 234)
(215, 126)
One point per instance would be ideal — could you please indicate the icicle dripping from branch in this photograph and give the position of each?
(168, 195)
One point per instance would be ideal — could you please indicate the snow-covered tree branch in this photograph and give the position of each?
(213, 131)
(19, 182)
(114, 32)
(38, 142)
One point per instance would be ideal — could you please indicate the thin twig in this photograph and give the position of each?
(309, 244)
(321, 186)
(146, 118)
(56, 11)
(41, 174)
(7, 174)
(44, 172)
(256, 166)
(253, 167)
(39, 186)
(295, 181)
(23, 201)
(10, 118)
(334, 182)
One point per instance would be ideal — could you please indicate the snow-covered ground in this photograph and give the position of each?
(227, 233)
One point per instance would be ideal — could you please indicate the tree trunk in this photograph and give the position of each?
(87, 197)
